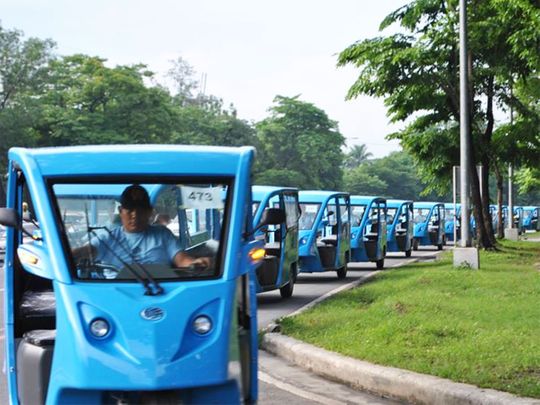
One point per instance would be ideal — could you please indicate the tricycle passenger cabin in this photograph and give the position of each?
(429, 220)
(368, 229)
(280, 264)
(400, 224)
(324, 231)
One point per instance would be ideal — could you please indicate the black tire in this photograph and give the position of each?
(287, 290)
(440, 246)
(415, 244)
(408, 253)
(380, 264)
(342, 272)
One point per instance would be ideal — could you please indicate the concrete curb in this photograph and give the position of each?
(385, 381)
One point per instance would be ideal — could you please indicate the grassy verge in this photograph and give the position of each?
(479, 327)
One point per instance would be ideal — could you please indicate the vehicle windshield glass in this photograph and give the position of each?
(390, 215)
(449, 213)
(357, 212)
(309, 213)
(164, 231)
(421, 215)
(526, 214)
(255, 207)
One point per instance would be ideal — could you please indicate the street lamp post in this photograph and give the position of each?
(465, 254)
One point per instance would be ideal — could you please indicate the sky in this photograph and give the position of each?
(249, 50)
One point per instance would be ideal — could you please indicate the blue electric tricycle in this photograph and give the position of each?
(324, 225)
(518, 219)
(368, 229)
(429, 220)
(139, 330)
(453, 221)
(399, 219)
(280, 264)
(530, 218)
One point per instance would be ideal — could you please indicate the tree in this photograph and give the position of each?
(23, 64)
(23, 70)
(417, 74)
(299, 138)
(361, 181)
(86, 102)
(356, 156)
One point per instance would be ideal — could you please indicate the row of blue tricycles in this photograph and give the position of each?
(525, 218)
(131, 272)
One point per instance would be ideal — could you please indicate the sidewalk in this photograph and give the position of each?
(389, 382)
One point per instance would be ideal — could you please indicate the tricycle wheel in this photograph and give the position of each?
(342, 272)
(415, 244)
(287, 290)
(439, 246)
(408, 253)
(380, 264)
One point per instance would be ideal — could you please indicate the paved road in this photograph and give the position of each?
(279, 382)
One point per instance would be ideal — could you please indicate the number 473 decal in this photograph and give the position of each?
(202, 197)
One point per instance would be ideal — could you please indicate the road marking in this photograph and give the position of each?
(296, 391)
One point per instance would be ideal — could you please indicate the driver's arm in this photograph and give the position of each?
(84, 252)
(182, 259)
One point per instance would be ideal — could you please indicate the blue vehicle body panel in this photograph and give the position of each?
(310, 248)
(531, 216)
(274, 274)
(400, 230)
(369, 244)
(426, 232)
(137, 354)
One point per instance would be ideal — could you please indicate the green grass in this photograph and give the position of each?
(479, 327)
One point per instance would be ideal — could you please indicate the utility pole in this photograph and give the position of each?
(511, 233)
(464, 127)
(465, 254)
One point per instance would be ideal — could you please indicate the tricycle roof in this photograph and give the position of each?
(425, 204)
(362, 199)
(132, 159)
(319, 195)
(259, 192)
(397, 203)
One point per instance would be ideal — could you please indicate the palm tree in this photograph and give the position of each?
(357, 156)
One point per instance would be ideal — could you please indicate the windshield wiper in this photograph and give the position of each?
(157, 290)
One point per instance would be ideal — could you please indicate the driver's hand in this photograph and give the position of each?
(202, 262)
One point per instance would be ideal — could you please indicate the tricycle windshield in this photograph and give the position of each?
(421, 215)
(357, 212)
(140, 230)
(309, 213)
(390, 215)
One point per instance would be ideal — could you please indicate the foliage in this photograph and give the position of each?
(416, 72)
(299, 139)
(393, 176)
(356, 156)
(361, 181)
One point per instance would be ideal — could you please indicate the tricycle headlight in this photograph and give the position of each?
(202, 325)
(99, 328)
(303, 240)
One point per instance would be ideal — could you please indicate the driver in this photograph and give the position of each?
(136, 241)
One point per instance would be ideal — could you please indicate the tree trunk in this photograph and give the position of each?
(500, 224)
(488, 221)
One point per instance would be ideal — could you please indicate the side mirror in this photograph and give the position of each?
(270, 216)
(9, 217)
(330, 213)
